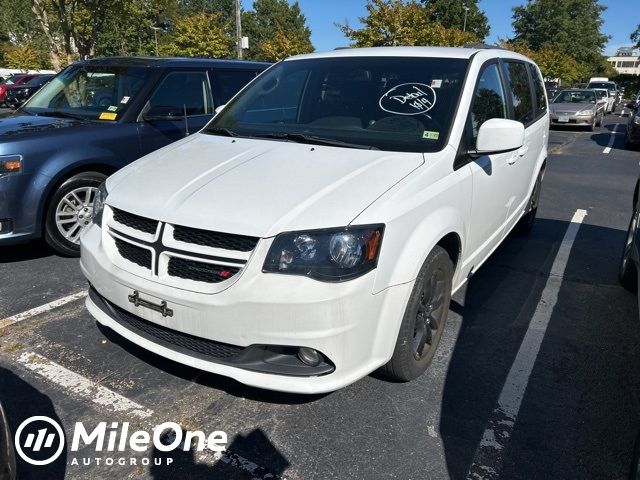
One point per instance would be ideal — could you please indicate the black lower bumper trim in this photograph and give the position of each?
(274, 359)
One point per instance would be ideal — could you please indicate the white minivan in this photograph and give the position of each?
(315, 229)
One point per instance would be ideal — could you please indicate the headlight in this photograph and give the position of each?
(585, 113)
(10, 164)
(331, 255)
(98, 203)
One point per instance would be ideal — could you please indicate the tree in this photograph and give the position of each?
(395, 23)
(568, 26)
(272, 19)
(635, 37)
(450, 14)
(552, 63)
(198, 35)
(22, 57)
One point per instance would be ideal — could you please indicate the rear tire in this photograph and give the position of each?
(424, 319)
(627, 272)
(525, 224)
(70, 210)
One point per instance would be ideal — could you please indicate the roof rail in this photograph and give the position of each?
(342, 48)
(483, 46)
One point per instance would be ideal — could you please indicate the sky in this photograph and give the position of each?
(620, 19)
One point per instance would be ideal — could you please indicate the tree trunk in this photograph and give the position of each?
(40, 12)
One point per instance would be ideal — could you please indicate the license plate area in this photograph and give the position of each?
(563, 119)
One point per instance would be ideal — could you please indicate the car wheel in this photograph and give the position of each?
(601, 119)
(424, 319)
(70, 210)
(592, 126)
(627, 272)
(525, 224)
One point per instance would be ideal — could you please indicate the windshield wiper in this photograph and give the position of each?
(59, 114)
(225, 132)
(313, 140)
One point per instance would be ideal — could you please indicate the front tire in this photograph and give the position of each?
(424, 319)
(525, 224)
(70, 210)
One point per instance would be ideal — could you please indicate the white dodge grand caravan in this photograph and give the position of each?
(315, 230)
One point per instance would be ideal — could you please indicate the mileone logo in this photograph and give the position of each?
(38, 443)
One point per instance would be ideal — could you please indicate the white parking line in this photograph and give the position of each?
(41, 309)
(612, 139)
(81, 386)
(488, 457)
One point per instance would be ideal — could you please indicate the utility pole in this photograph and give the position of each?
(466, 9)
(155, 34)
(238, 30)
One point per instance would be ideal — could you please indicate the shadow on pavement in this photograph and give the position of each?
(25, 251)
(232, 466)
(21, 401)
(589, 357)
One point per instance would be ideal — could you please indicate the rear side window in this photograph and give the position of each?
(182, 91)
(538, 86)
(489, 99)
(227, 83)
(520, 90)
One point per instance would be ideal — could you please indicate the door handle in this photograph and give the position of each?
(513, 158)
(523, 151)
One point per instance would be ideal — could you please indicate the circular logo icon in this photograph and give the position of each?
(408, 99)
(39, 440)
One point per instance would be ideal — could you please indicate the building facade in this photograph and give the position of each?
(626, 61)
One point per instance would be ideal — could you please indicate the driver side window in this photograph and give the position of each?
(489, 99)
(182, 91)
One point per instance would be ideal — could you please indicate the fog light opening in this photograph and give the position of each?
(309, 356)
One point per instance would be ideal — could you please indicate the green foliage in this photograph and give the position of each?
(21, 56)
(271, 19)
(568, 26)
(394, 23)
(635, 37)
(198, 35)
(450, 14)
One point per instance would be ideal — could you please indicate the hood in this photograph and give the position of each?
(572, 107)
(16, 125)
(256, 187)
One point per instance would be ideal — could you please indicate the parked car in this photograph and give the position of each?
(315, 230)
(603, 96)
(12, 82)
(577, 108)
(634, 103)
(19, 94)
(632, 136)
(609, 85)
(92, 119)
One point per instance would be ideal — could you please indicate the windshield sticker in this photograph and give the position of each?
(124, 99)
(408, 99)
(431, 135)
(112, 108)
(108, 116)
(436, 83)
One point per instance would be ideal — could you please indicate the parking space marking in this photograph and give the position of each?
(488, 457)
(42, 309)
(611, 139)
(81, 386)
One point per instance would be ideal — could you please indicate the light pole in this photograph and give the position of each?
(466, 10)
(238, 29)
(155, 34)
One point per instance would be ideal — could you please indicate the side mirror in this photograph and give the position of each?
(219, 108)
(499, 135)
(162, 112)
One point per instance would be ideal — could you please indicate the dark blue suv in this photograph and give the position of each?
(93, 118)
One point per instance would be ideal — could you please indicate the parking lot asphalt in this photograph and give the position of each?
(577, 416)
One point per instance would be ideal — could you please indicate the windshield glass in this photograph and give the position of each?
(13, 79)
(607, 85)
(602, 94)
(39, 80)
(92, 92)
(391, 103)
(576, 96)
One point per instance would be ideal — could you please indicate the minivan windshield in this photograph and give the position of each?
(611, 86)
(576, 96)
(89, 92)
(385, 103)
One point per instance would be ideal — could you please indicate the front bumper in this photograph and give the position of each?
(354, 329)
(575, 120)
(20, 197)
